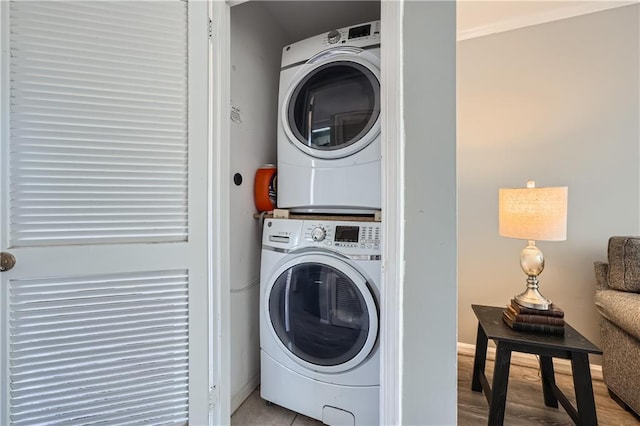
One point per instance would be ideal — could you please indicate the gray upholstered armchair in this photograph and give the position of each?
(618, 301)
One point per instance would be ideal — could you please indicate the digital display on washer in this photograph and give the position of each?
(361, 31)
(347, 234)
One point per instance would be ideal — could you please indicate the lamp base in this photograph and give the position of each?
(531, 298)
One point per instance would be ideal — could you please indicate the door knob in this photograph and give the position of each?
(7, 261)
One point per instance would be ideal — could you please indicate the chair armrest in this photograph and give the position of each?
(602, 272)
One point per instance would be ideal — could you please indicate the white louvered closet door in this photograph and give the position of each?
(104, 206)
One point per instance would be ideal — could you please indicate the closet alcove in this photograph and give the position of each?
(259, 32)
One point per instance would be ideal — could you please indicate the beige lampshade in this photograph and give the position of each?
(531, 213)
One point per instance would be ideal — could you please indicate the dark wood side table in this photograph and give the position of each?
(572, 346)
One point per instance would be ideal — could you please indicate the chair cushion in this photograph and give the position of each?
(624, 263)
(621, 308)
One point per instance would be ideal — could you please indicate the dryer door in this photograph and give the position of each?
(322, 312)
(333, 110)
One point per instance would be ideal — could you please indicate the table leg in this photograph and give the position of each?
(548, 379)
(584, 389)
(500, 381)
(480, 359)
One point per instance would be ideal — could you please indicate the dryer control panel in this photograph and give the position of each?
(363, 36)
(368, 33)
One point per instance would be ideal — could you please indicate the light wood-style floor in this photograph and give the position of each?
(525, 405)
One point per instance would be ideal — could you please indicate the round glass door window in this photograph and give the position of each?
(334, 106)
(319, 314)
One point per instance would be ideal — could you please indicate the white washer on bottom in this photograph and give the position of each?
(319, 319)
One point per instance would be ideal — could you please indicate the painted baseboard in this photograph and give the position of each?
(244, 392)
(562, 366)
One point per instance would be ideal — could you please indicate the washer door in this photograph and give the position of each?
(322, 313)
(333, 110)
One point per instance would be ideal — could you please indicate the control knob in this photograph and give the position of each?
(333, 37)
(318, 234)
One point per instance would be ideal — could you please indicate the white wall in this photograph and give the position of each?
(256, 47)
(429, 385)
(557, 103)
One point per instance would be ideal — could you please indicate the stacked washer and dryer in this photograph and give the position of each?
(319, 278)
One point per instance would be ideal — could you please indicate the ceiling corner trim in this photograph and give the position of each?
(232, 3)
(540, 18)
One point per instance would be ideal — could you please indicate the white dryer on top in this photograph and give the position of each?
(329, 122)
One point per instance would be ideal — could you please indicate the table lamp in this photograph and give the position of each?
(533, 214)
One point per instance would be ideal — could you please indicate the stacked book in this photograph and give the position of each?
(521, 318)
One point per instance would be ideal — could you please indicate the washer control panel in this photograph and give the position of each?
(349, 237)
(353, 235)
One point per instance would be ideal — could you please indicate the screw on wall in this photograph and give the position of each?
(235, 115)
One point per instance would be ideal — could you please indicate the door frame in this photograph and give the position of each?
(393, 142)
(4, 186)
(219, 176)
(392, 204)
